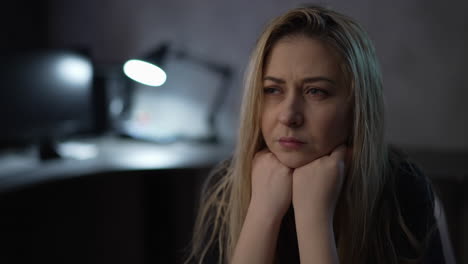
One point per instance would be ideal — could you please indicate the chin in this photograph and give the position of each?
(294, 160)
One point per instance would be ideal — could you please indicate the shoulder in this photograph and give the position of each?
(413, 188)
(415, 201)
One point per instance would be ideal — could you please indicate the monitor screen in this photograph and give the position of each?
(45, 94)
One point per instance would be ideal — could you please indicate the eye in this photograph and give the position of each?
(316, 92)
(271, 90)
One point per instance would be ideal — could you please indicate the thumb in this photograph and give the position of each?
(343, 154)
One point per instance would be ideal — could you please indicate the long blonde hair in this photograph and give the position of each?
(360, 218)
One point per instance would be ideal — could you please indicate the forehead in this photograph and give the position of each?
(301, 55)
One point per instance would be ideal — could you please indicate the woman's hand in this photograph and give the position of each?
(271, 185)
(316, 188)
(317, 185)
(271, 198)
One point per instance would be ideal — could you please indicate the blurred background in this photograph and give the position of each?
(96, 167)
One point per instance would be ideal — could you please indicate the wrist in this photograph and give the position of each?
(316, 214)
(318, 206)
(264, 214)
(316, 238)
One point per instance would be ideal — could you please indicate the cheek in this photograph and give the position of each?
(265, 124)
(332, 127)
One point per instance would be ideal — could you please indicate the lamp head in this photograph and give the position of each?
(148, 70)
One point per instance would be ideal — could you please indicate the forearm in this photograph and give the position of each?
(258, 238)
(315, 237)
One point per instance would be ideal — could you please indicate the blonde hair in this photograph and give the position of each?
(359, 217)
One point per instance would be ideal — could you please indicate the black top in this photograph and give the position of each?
(416, 200)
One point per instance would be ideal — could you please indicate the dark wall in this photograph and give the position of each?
(421, 46)
(24, 25)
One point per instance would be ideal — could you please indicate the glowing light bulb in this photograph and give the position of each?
(144, 72)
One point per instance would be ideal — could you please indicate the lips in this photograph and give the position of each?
(291, 142)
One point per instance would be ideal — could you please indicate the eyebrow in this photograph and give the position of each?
(305, 80)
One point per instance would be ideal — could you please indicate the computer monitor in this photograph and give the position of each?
(45, 94)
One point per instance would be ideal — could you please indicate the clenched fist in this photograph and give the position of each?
(317, 185)
(271, 185)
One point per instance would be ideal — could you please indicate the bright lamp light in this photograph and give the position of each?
(144, 72)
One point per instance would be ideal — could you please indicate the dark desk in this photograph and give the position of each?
(106, 154)
(133, 202)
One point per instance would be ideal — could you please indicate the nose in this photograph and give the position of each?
(291, 112)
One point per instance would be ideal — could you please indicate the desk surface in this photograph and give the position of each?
(106, 154)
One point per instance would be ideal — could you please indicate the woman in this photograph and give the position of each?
(312, 180)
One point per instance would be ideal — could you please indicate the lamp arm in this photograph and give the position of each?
(225, 71)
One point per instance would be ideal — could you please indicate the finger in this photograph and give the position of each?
(339, 152)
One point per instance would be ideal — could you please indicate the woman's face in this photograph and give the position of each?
(306, 111)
